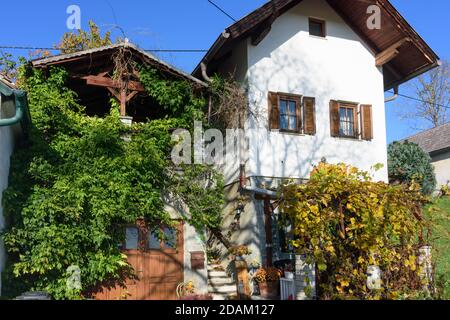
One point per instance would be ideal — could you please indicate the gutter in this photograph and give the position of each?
(394, 97)
(218, 44)
(20, 101)
(245, 187)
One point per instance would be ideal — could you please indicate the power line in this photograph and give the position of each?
(222, 10)
(420, 100)
(58, 49)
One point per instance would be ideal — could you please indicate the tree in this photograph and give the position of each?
(345, 223)
(408, 163)
(83, 40)
(7, 65)
(434, 90)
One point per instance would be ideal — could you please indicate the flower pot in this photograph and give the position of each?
(270, 290)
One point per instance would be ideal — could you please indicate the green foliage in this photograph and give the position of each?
(7, 65)
(438, 215)
(345, 223)
(77, 182)
(407, 162)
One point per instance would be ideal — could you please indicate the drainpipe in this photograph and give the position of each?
(395, 96)
(20, 101)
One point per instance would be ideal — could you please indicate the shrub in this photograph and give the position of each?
(345, 223)
(407, 162)
(267, 274)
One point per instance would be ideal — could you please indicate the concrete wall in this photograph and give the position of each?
(441, 163)
(6, 149)
(193, 242)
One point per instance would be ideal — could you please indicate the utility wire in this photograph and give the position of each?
(420, 100)
(57, 49)
(222, 10)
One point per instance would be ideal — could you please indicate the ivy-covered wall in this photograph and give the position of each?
(79, 181)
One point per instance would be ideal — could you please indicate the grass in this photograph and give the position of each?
(439, 215)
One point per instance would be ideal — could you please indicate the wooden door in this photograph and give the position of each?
(158, 265)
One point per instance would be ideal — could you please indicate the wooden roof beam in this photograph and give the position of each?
(390, 53)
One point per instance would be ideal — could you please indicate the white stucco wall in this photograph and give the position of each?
(441, 163)
(339, 67)
(6, 148)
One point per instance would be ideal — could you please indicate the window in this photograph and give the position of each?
(347, 125)
(131, 238)
(292, 113)
(288, 115)
(317, 28)
(351, 120)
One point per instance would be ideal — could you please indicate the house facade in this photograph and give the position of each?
(436, 142)
(160, 265)
(316, 74)
(14, 120)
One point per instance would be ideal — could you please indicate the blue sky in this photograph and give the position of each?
(194, 24)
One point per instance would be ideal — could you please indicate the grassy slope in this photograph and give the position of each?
(440, 240)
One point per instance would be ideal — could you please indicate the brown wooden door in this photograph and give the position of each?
(159, 266)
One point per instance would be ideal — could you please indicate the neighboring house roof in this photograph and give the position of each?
(414, 55)
(149, 58)
(433, 140)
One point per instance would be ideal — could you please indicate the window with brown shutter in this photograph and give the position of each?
(287, 113)
(366, 122)
(274, 111)
(309, 111)
(334, 118)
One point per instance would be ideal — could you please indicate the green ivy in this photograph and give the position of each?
(76, 182)
(407, 162)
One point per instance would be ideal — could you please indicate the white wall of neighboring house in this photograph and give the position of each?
(6, 149)
(339, 67)
(441, 163)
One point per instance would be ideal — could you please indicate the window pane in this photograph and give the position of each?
(292, 106)
(170, 238)
(131, 239)
(292, 123)
(284, 122)
(316, 28)
(283, 107)
(153, 241)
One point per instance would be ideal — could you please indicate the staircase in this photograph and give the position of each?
(220, 285)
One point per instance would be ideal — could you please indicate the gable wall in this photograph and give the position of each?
(339, 67)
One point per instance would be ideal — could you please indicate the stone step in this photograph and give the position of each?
(217, 274)
(213, 267)
(220, 281)
(222, 289)
(220, 296)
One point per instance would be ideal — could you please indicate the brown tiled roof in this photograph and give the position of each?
(433, 140)
(414, 58)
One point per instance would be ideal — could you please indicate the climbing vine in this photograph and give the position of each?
(77, 182)
(345, 223)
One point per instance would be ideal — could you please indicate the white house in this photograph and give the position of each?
(13, 124)
(316, 72)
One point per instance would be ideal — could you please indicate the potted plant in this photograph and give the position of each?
(268, 280)
(238, 252)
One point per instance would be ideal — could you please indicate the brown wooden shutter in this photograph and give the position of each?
(334, 118)
(366, 122)
(309, 107)
(298, 112)
(274, 111)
